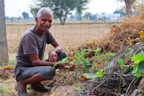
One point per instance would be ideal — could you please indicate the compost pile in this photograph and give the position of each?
(119, 38)
(120, 35)
(115, 81)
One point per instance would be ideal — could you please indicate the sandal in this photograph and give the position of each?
(23, 93)
(40, 88)
(20, 92)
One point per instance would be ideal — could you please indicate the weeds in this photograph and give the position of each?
(12, 62)
(138, 67)
(1, 89)
(121, 63)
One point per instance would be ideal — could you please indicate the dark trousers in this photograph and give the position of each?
(47, 72)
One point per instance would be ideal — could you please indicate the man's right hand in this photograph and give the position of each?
(63, 65)
(66, 65)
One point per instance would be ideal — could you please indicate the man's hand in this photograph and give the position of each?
(63, 65)
(53, 56)
(66, 65)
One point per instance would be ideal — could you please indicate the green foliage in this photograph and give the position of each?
(64, 59)
(126, 55)
(25, 15)
(1, 89)
(101, 58)
(97, 50)
(33, 11)
(79, 55)
(127, 70)
(100, 73)
(141, 93)
(138, 57)
(135, 71)
(61, 8)
(78, 87)
(120, 61)
(12, 62)
(138, 68)
(79, 58)
(110, 54)
(98, 55)
(86, 63)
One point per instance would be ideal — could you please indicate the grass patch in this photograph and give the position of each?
(12, 62)
(1, 89)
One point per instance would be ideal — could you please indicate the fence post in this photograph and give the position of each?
(3, 40)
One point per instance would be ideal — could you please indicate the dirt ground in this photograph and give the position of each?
(62, 85)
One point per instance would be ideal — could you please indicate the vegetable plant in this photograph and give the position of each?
(138, 67)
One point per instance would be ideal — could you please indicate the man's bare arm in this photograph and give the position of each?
(37, 62)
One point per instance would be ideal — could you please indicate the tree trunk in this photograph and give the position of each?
(62, 20)
(128, 7)
(3, 41)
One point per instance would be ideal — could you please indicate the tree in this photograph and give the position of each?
(78, 16)
(88, 15)
(119, 12)
(93, 17)
(129, 6)
(25, 15)
(61, 8)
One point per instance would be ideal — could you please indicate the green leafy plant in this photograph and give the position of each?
(120, 61)
(100, 73)
(12, 62)
(97, 58)
(80, 60)
(109, 54)
(138, 67)
(101, 58)
(1, 89)
(64, 59)
(97, 50)
(78, 87)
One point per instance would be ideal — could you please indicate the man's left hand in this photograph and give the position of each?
(53, 56)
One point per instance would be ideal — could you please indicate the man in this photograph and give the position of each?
(30, 67)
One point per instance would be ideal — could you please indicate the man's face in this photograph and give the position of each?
(44, 22)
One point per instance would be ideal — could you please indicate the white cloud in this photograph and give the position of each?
(16, 7)
(100, 6)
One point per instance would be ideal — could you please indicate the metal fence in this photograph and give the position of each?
(70, 35)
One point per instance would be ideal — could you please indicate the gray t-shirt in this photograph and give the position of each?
(31, 43)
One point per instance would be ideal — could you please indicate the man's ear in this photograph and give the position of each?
(36, 19)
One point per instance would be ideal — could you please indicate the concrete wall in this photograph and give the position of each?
(3, 41)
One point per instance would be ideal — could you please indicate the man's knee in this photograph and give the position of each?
(48, 72)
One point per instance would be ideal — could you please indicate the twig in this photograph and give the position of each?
(100, 84)
(131, 83)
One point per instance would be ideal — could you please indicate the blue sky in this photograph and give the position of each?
(16, 7)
